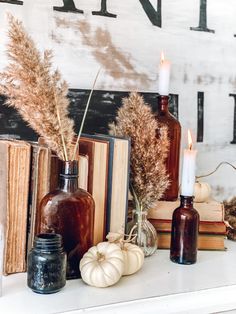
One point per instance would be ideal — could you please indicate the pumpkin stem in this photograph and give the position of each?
(100, 257)
(118, 238)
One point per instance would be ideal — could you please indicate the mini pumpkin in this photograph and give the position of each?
(202, 192)
(103, 265)
(133, 258)
(133, 255)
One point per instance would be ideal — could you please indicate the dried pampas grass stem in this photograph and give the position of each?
(85, 113)
(62, 135)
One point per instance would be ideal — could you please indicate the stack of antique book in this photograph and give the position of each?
(212, 229)
(28, 171)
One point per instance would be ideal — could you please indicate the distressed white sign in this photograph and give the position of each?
(126, 42)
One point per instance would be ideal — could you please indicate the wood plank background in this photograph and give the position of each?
(127, 46)
(102, 111)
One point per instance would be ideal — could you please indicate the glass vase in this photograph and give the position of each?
(69, 211)
(165, 118)
(142, 232)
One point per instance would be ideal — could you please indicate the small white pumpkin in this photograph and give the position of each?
(133, 255)
(202, 192)
(133, 258)
(103, 265)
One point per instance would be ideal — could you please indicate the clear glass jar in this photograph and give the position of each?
(142, 232)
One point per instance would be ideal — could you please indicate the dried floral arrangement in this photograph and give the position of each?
(38, 92)
(230, 218)
(148, 177)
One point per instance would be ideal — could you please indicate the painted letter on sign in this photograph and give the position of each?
(153, 15)
(69, 6)
(202, 27)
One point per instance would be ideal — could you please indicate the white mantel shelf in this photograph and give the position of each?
(159, 287)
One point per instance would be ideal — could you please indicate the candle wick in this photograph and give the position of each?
(190, 146)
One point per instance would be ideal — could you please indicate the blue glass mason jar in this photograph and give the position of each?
(46, 267)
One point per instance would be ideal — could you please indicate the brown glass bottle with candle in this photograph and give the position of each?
(69, 211)
(184, 232)
(174, 133)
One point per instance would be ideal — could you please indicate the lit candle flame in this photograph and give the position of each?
(162, 57)
(190, 141)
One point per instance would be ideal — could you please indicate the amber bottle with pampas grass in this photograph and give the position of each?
(69, 211)
(40, 96)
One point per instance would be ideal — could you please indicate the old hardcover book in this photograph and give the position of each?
(97, 152)
(118, 182)
(14, 186)
(41, 181)
(211, 227)
(205, 241)
(83, 172)
(119, 185)
(208, 211)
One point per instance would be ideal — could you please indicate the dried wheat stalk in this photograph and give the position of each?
(36, 91)
(148, 173)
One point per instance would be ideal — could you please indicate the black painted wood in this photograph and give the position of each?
(174, 105)
(102, 111)
(234, 130)
(200, 116)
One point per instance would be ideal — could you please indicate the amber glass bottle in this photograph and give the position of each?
(69, 211)
(174, 132)
(184, 232)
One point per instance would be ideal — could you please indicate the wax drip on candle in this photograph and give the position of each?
(162, 57)
(190, 141)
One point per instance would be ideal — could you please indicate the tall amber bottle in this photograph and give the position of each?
(174, 132)
(69, 211)
(184, 232)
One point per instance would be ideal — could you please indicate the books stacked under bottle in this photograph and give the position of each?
(28, 171)
(212, 229)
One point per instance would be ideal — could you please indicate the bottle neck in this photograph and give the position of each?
(186, 201)
(68, 183)
(163, 105)
(139, 215)
(69, 176)
(48, 243)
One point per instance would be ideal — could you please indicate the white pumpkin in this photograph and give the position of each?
(202, 192)
(102, 265)
(133, 258)
(133, 255)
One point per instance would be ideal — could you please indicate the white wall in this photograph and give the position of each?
(128, 49)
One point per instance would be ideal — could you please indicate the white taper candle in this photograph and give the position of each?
(164, 76)
(189, 169)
